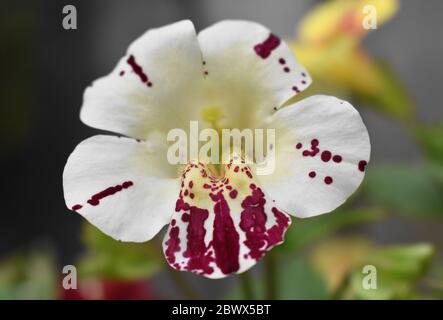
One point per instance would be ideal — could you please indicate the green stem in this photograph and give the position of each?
(180, 282)
(270, 276)
(182, 285)
(246, 284)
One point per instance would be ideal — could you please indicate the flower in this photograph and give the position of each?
(234, 74)
(329, 45)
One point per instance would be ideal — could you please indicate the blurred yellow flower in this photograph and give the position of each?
(329, 45)
(333, 19)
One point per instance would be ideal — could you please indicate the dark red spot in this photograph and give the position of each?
(281, 61)
(303, 82)
(265, 48)
(286, 69)
(196, 250)
(225, 237)
(362, 165)
(95, 199)
(337, 158)
(191, 195)
(312, 174)
(314, 149)
(172, 244)
(236, 169)
(138, 70)
(206, 73)
(299, 145)
(296, 89)
(253, 223)
(328, 180)
(275, 234)
(326, 155)
(121, 73)
(191, 184)
(233, 194)
(206, 186)
(127, 184)
(77, 207)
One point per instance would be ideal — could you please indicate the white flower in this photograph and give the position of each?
(242, 75)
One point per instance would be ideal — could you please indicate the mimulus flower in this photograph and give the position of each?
(234, 74)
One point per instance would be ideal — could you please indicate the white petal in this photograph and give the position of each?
(322, 147)
(153, 86)
(120, 185)
(222, 225)
(250, 70)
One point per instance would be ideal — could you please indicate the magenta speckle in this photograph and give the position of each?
(282, 61)
(127, 184)
(337, 158)
(299, 145)
(314, 149)
(172, 244)
(296, 89)
(286, 69)
(138, 70)
(259, 239)
(328, 180)
(312, 174)
(326, 155)
(233, 194)
(265, 48)
(362, 165)
(226, 240)
(196, 249)
(77, 207)
(95, 199)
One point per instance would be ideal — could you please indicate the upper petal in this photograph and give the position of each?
(250, 71)
(322, 148)
(121, 185)
(158, 77)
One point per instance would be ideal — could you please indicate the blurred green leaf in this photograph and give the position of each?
(305, 231)
(391, 96)
(108, 258)
(409, 190)
(296, 280)
(431, 138)
(398, 269)
(25, 276)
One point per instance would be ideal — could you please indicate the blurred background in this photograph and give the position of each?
(392, 74)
